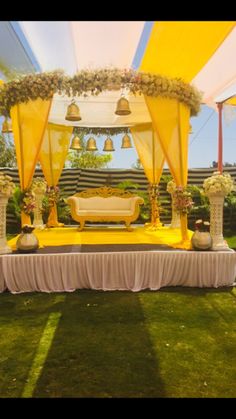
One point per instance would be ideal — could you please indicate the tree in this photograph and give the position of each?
(7, 153)
(87, 159)
(226, 164)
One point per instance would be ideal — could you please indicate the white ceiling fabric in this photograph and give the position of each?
(102, 44)
(219, 73)
(100, 110)
(78, 45)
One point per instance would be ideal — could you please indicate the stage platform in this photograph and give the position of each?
(107, 234)
(113, 259)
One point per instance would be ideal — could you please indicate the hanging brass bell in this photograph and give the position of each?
(91, 145)
(122, 107)
(6, 126)
(126, 142)
(75, 143)
(108, 145)
(73, 113)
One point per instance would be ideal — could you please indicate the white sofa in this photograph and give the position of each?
(105, 204)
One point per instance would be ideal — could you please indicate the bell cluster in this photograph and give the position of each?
(73, 114)
(92, 146)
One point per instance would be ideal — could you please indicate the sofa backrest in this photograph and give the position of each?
(109, 203)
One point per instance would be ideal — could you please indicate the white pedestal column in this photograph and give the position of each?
(175, 220)
(216, 221)
(38, 220)
(4, 248)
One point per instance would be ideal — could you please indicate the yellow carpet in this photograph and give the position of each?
(108, 235)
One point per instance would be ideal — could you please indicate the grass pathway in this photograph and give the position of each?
(176, 342)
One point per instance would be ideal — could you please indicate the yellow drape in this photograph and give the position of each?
(181, 49)
(152, 158)
(28, 124)
(52, 157)
(149, 151)
(171, 121)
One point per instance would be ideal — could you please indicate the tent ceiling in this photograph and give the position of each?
(99, 110)
(200, 52)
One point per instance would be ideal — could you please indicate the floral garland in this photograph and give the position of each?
(171, 186)
(101, 130)
(182, 200)
(44, 85)
(218, 182)
(53, 194)
(6, 185)
(27, 201)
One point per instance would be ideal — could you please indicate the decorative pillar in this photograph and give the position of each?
(38, 220)
(175, 216)
(38, 187)
(216, 221)
(4, 248)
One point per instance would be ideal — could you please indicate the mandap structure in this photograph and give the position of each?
(169, 59)
(160, 108)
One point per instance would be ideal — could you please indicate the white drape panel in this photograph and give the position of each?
(116, 271)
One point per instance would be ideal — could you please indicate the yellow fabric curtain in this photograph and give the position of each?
(191, 45)
(29, 121)
(52, 157)
(152, 158)
(149, 151)
(171, 121)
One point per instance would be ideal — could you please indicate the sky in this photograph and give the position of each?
(203, 142)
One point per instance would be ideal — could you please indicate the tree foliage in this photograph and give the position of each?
(7, 153)
(87, 159)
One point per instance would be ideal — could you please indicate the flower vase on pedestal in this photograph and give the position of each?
(38, 220)
(216, 219)
(4, 248)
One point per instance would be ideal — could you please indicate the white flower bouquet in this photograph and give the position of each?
(218, 183)
(6, 185)
(171, 186)
(39, 185)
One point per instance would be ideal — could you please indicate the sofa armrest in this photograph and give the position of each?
(73, 202)
(136, 201)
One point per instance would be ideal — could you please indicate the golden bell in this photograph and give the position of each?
(6, 126)
(73, 113)
(122, 107)
(75, 144)
(91, 145)
(108, 145)
(126, 142)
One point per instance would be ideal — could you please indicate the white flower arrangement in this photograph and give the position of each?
(39, 185)
(218, 183)
(171, 186)
(6, 185)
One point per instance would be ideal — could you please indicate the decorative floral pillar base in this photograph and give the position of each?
(4, 248)
(175, 220)
(216, 221)
(38, 221)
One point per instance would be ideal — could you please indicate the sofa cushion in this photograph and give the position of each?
(106, 213)
(99, 203)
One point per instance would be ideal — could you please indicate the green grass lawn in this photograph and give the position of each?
(176, 342)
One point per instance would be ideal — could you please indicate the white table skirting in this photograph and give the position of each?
(116, 271)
